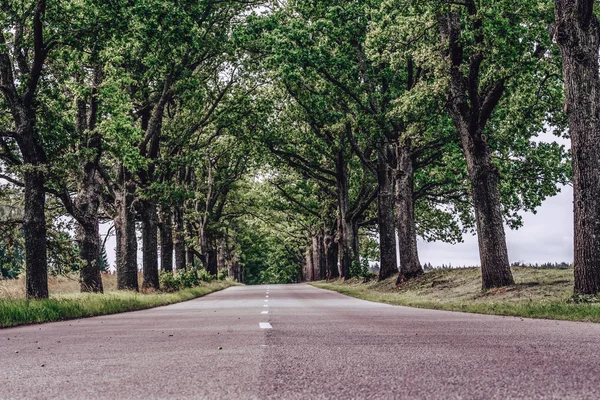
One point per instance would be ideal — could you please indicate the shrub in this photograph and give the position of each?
(169, 282)
(204, 276)
(360, 269)
(222, 275)
(189, 278)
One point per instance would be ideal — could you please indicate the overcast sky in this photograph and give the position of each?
(546, 236)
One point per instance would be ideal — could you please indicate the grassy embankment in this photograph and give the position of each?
(538, 293)
(66, 302)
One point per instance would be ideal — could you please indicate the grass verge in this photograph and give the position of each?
(16, 311)
(538, 293)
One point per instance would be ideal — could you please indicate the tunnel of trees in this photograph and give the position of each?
(287, 141)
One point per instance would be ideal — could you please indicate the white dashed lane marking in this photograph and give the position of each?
(266, 305)
(264, 312)
(265, 325)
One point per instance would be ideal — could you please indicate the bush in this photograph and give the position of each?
(222, 275)
(360, 269)
(204, 276)
(189, 278)
(169, 282)
(185, 279)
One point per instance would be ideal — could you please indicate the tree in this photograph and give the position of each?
(578, 36)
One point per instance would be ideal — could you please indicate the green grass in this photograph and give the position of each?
(538, 293)
(16, 311)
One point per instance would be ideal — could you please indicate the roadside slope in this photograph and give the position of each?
(538, 293)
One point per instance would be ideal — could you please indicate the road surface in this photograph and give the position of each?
(296, 341)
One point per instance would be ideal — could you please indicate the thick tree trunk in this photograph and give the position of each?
(345, 241)
(578, 37)
(125, 225)
(410, 266)
(34, 232)
(211, 261)
(308, 266)
(345, 231)
(385, 215)
(318, 257)
(88, 239)
(470, 112)
(222, 255)
(203, 242)
(166, 240)
(179, 240)
(87, 201)
(189, 254)
(484, 176)
(331, 257)
(149, 218)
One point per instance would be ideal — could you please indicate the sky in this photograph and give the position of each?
(544, 237)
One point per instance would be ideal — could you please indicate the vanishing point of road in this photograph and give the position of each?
(299, 342)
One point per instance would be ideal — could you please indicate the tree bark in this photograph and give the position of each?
(222, 255)
(23, 109)
(470, 112)
(331, 257)
(385, 215)
(309, 265)
(578, 37)
(190, 258)
(317, 253)
(34, 232)
(149, 218)
(410, 267)
(179, 240)
(127, 269)
(211, 261)
(345, 231)
(166, 240)
(87, 202)
(88, 239)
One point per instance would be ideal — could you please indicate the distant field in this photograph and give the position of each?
(66, 302)
(538, 293)
(61, 284)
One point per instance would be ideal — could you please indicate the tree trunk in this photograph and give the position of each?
(34, 232)
(166, 240)
(179, 241)
(211, 261)
(125, 225)
(345, 231)
(88, 239)
(385, 215)
(470, 112)
(331, 257)
(309, 265)
(87, 201)
(317, 253)
(189, 254)
(410, 266)
(222, 255)
(484, 176)
(578, 37)
(149, 218)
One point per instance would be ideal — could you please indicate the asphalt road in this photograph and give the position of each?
(299, 342)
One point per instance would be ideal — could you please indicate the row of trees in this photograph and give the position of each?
(412, 118)
(295, 140)
(129, 113)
